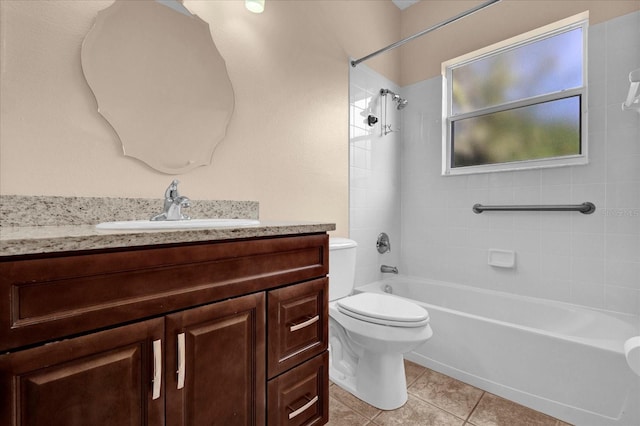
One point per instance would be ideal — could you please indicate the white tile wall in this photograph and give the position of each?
(374, 173)
(592, 260)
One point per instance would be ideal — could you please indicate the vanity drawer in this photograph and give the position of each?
(298, 323)
(301, 395)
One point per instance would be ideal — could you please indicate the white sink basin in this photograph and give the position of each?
(176, 224)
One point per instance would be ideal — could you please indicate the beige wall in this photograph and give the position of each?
(421, 58)
(286, 145)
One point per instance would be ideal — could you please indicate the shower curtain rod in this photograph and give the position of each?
(423, 32)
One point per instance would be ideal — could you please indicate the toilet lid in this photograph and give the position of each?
(383, 309)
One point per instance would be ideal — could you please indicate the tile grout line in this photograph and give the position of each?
(447, 411)
(348, 407)
(465, 420)
(474, 407)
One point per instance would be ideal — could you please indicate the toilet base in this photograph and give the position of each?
(379, 379)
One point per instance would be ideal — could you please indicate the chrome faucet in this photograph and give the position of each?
(389, 269)
(173, 204)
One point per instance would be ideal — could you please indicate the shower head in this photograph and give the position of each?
(395, 97)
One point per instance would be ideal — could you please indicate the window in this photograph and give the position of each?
(518, 104)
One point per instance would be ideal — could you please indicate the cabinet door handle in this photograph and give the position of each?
(303, 408)
(307, 323)
(157, 368)
(181, 360)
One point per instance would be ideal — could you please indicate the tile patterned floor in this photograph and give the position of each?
(438, 400)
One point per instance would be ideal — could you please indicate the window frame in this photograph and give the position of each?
(577, 21)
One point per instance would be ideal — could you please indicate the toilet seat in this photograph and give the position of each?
(383, 309)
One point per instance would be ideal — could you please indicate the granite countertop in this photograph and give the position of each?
(22, 240)
(36, 225)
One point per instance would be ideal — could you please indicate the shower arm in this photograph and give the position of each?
(423, 32)
(394, 97)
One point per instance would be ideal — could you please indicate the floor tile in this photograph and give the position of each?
(417, 413)
(412, 371)
(495, 411)
(353, 403)
(341, 415)
(433, 400)
(447, 393)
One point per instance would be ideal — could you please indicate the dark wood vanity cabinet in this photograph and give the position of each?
(218, 333)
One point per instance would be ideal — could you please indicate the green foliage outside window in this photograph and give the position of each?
(521, 102)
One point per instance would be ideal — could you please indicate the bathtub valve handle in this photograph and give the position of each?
(383, 244)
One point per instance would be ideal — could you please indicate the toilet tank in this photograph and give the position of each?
(342, 267)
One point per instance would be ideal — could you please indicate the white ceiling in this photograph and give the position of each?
(403, 4)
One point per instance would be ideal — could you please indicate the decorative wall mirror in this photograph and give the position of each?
(160, 82)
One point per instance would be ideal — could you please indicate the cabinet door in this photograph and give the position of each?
(102, 379)
(218, 354)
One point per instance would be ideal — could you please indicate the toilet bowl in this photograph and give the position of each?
(369, 333)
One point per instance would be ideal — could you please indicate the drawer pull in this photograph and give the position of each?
(157, 368)
(307, 323)
(304, 407)
(181, 360)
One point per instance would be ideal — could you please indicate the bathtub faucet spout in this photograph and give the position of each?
(389, 269)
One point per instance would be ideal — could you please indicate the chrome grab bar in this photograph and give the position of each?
(585, 208)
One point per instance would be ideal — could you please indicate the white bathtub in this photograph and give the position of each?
(560, 359)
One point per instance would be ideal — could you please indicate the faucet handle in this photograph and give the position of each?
(172, 190)
(383, 244)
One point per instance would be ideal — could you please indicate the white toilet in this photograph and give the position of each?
(369, 333)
